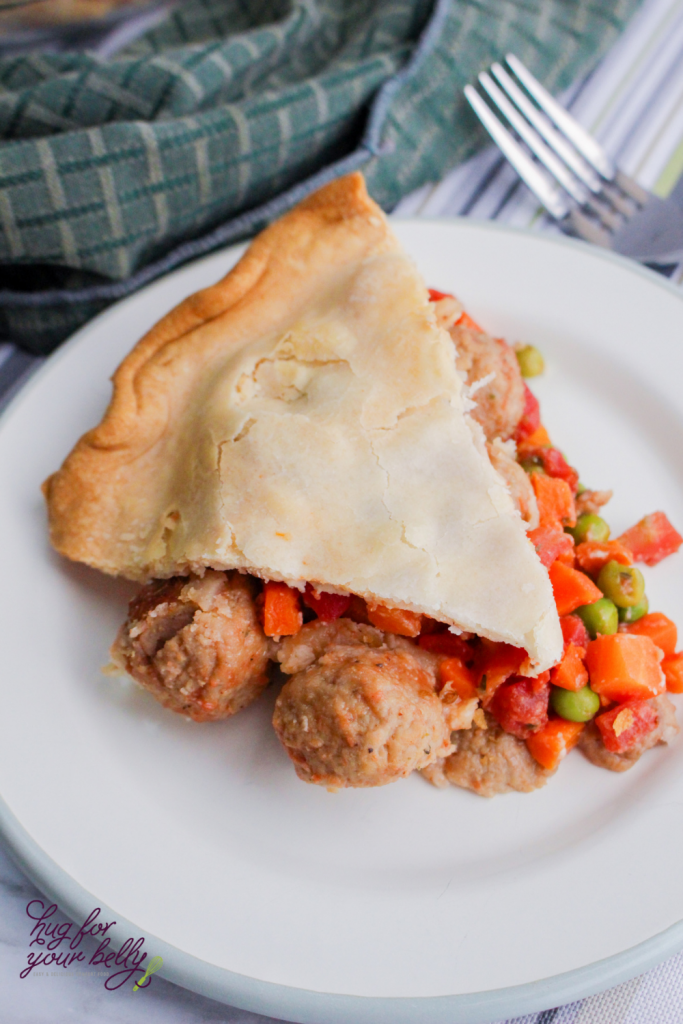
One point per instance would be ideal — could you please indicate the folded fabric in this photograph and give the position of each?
(114, 171)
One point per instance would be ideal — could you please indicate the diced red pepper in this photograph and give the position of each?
(652, 539)
(326, 606)
(449, 644)
(571, 673)
(672, 667)
(357, 610)
(574, 631)
(553, 462)
(430, 625)
(626, 724)
(551, 542)
(521, 706)
(531, 417)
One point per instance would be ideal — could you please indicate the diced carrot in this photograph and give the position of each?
(555, 500)
(623, 726)
(394, 620)
(496, 663)
(571, 673)
(467, 321)
(552, 542)
(281, 610)
(455, 677)
(436, 296)
(446, 643)
(624, 667)
(553, 742)
(538, 439)
(571, 588)
(652, 539)
(672, 667)
(592, 555)
(531, 416)
(661, 630)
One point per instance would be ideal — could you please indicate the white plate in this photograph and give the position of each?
(379, 905)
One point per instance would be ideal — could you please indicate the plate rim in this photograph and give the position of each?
(304, 1005)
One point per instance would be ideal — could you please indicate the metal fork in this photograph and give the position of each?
(581, 186)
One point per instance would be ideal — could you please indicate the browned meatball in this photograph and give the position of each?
(590, 742)
(361, 708)
(447, 310)
(196, 644)
(591, 502)
(488, 761)
(499, 404)
(519, 482)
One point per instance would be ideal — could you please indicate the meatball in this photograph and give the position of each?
(499, 404)
(597, 753)
(518, 481)
(488, 761)
(447, 310)
(591, 502)
(196, 644)
(361, 707)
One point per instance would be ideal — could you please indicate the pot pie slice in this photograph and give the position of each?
(303, 420)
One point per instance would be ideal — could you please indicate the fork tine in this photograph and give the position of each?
(564, 149)
(545, 190)
(585, 143)
(559, 171)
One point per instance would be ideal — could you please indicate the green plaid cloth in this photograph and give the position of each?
(114, 171)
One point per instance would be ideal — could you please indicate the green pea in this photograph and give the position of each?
(580, 488)
(623, 584)
(532, 465)
(590, 527)
(575, 705)
(530, 361)
(635, 612)
(599, 617)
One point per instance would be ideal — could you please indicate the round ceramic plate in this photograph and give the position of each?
(390, 904)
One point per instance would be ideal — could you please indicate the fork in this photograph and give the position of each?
(572, 176)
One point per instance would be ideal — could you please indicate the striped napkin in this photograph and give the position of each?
(114, 171)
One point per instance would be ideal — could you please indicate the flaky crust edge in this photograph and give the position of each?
(82, 496)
